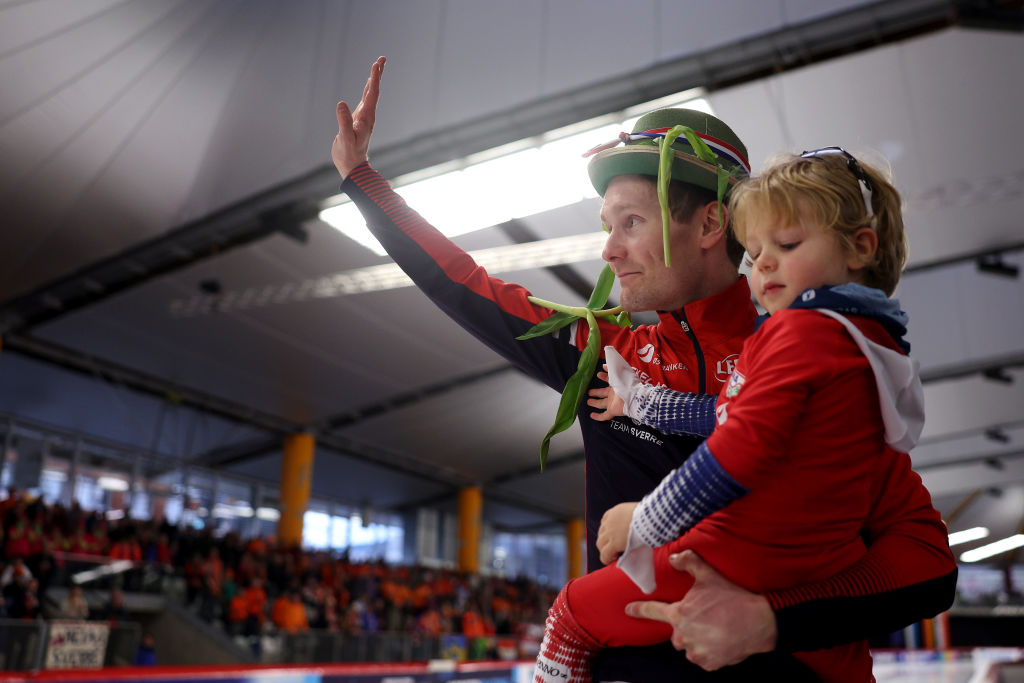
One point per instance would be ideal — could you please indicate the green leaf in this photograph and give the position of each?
(603, 288)
(623, 319)
(701, 148)
(666, 156)
(723, 187)
(554, 322)
(575, 388)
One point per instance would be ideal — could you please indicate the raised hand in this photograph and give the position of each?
(355, 128)
(717, 622)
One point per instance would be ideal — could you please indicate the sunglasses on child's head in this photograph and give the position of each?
(866, 188)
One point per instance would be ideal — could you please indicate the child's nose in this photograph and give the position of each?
(766, 263)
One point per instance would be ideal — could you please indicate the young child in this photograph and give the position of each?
(814, 422)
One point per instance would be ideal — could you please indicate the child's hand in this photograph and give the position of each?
(611, 537)
(605, 400)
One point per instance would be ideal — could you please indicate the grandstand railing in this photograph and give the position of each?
(330, 646)
(22, 644)
(325, 646)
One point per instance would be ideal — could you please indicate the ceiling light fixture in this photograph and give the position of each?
(539, 254)
(112, 483)
(268, 514)
(994, 548)
(968, 535)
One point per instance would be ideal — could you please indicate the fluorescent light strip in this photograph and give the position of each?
(539, 254)
(112, 483)
(994, 548)
(967, 535)
(268, 514)
(115, 567)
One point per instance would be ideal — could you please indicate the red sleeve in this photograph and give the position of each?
(908, 574)
(772, 382)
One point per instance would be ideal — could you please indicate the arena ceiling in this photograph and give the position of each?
(156, 151)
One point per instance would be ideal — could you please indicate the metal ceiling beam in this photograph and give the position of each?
(990, 459)
(284, 207)
(996, 15)
(976, 256)
(993, 367)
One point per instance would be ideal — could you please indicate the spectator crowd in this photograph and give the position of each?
(248, 586)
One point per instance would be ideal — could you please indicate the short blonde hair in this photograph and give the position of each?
(826, 187)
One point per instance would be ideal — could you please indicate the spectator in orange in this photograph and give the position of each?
(420, 596)
(473, 622)
(429, 623)
(238, 612)
(278, 608)
(127, 548)
(289, 613)
(213, 581)
(255, 606)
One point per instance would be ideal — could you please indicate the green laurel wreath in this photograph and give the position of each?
(577, 385)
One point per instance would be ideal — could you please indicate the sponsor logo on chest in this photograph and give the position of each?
(725, 366)
(735, 384)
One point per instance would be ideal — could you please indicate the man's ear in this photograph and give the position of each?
(712, 230)
(865, 245)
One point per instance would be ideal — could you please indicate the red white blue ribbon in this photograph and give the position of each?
(720, 147)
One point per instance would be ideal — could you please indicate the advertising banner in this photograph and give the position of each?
(76, 644)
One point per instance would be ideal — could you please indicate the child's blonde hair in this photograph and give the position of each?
(830, 187)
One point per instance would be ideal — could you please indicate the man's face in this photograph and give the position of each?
(634, 249)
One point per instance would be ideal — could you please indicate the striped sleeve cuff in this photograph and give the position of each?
(687, 495)
(673, 412)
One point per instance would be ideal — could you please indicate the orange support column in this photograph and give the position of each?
(471, 503)
(296, 478)
(574, 547)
